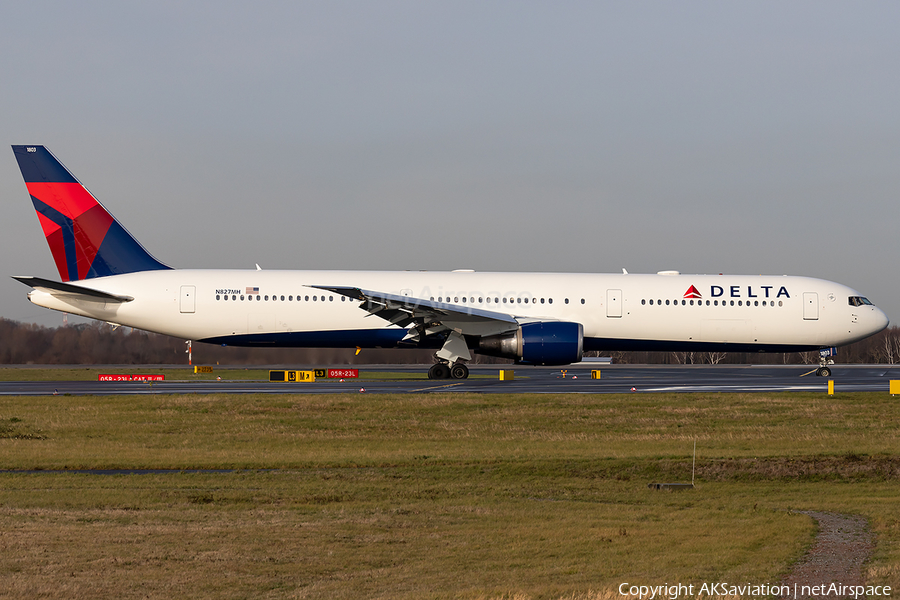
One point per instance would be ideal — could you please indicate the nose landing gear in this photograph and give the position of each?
(824, 360)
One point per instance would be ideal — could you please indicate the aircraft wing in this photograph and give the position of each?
(67, 291)
(427, 317)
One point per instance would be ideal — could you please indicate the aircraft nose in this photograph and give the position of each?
(879, 320)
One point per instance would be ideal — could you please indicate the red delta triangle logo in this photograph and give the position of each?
(692, 293)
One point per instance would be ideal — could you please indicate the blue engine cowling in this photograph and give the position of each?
(539, 343)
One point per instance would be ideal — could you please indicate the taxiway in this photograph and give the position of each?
(528, 380)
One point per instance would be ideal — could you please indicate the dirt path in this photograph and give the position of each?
(842, 546)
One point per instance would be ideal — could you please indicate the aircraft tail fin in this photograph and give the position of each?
(85, 239)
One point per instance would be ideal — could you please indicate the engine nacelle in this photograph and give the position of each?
(539, 343)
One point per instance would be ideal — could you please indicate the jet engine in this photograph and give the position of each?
(538, 343)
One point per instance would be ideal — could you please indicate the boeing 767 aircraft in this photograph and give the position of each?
(532, 318)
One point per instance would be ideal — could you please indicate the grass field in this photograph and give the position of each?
(437, 496)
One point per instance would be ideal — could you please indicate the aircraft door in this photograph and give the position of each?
(614, 303)
(187, 298)
(810, 306)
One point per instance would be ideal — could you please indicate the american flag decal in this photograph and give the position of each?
(252, 290)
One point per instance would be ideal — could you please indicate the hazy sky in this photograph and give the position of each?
(706, 137)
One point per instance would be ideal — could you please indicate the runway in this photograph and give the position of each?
(528, 380)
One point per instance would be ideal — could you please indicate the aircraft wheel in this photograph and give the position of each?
(439, 371)
(459, 371)
(823, 372)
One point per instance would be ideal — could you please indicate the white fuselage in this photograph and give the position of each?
(617, 311)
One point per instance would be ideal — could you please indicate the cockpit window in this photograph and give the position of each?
(860, 301)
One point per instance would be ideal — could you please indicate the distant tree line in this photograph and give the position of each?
(882, 348)
(100, 344)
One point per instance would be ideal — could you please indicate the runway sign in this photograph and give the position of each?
(119, 377)
(343, 373)
(337, 373)
(292, 376)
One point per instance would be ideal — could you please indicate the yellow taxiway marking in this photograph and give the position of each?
(810, 373)
(437, 387)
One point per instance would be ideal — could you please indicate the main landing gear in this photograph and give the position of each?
(449, 356)
(448, 371)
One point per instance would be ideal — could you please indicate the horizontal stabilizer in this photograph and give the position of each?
(68, 290)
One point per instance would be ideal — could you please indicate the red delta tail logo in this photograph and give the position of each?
(692, 293)
(84, 239)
